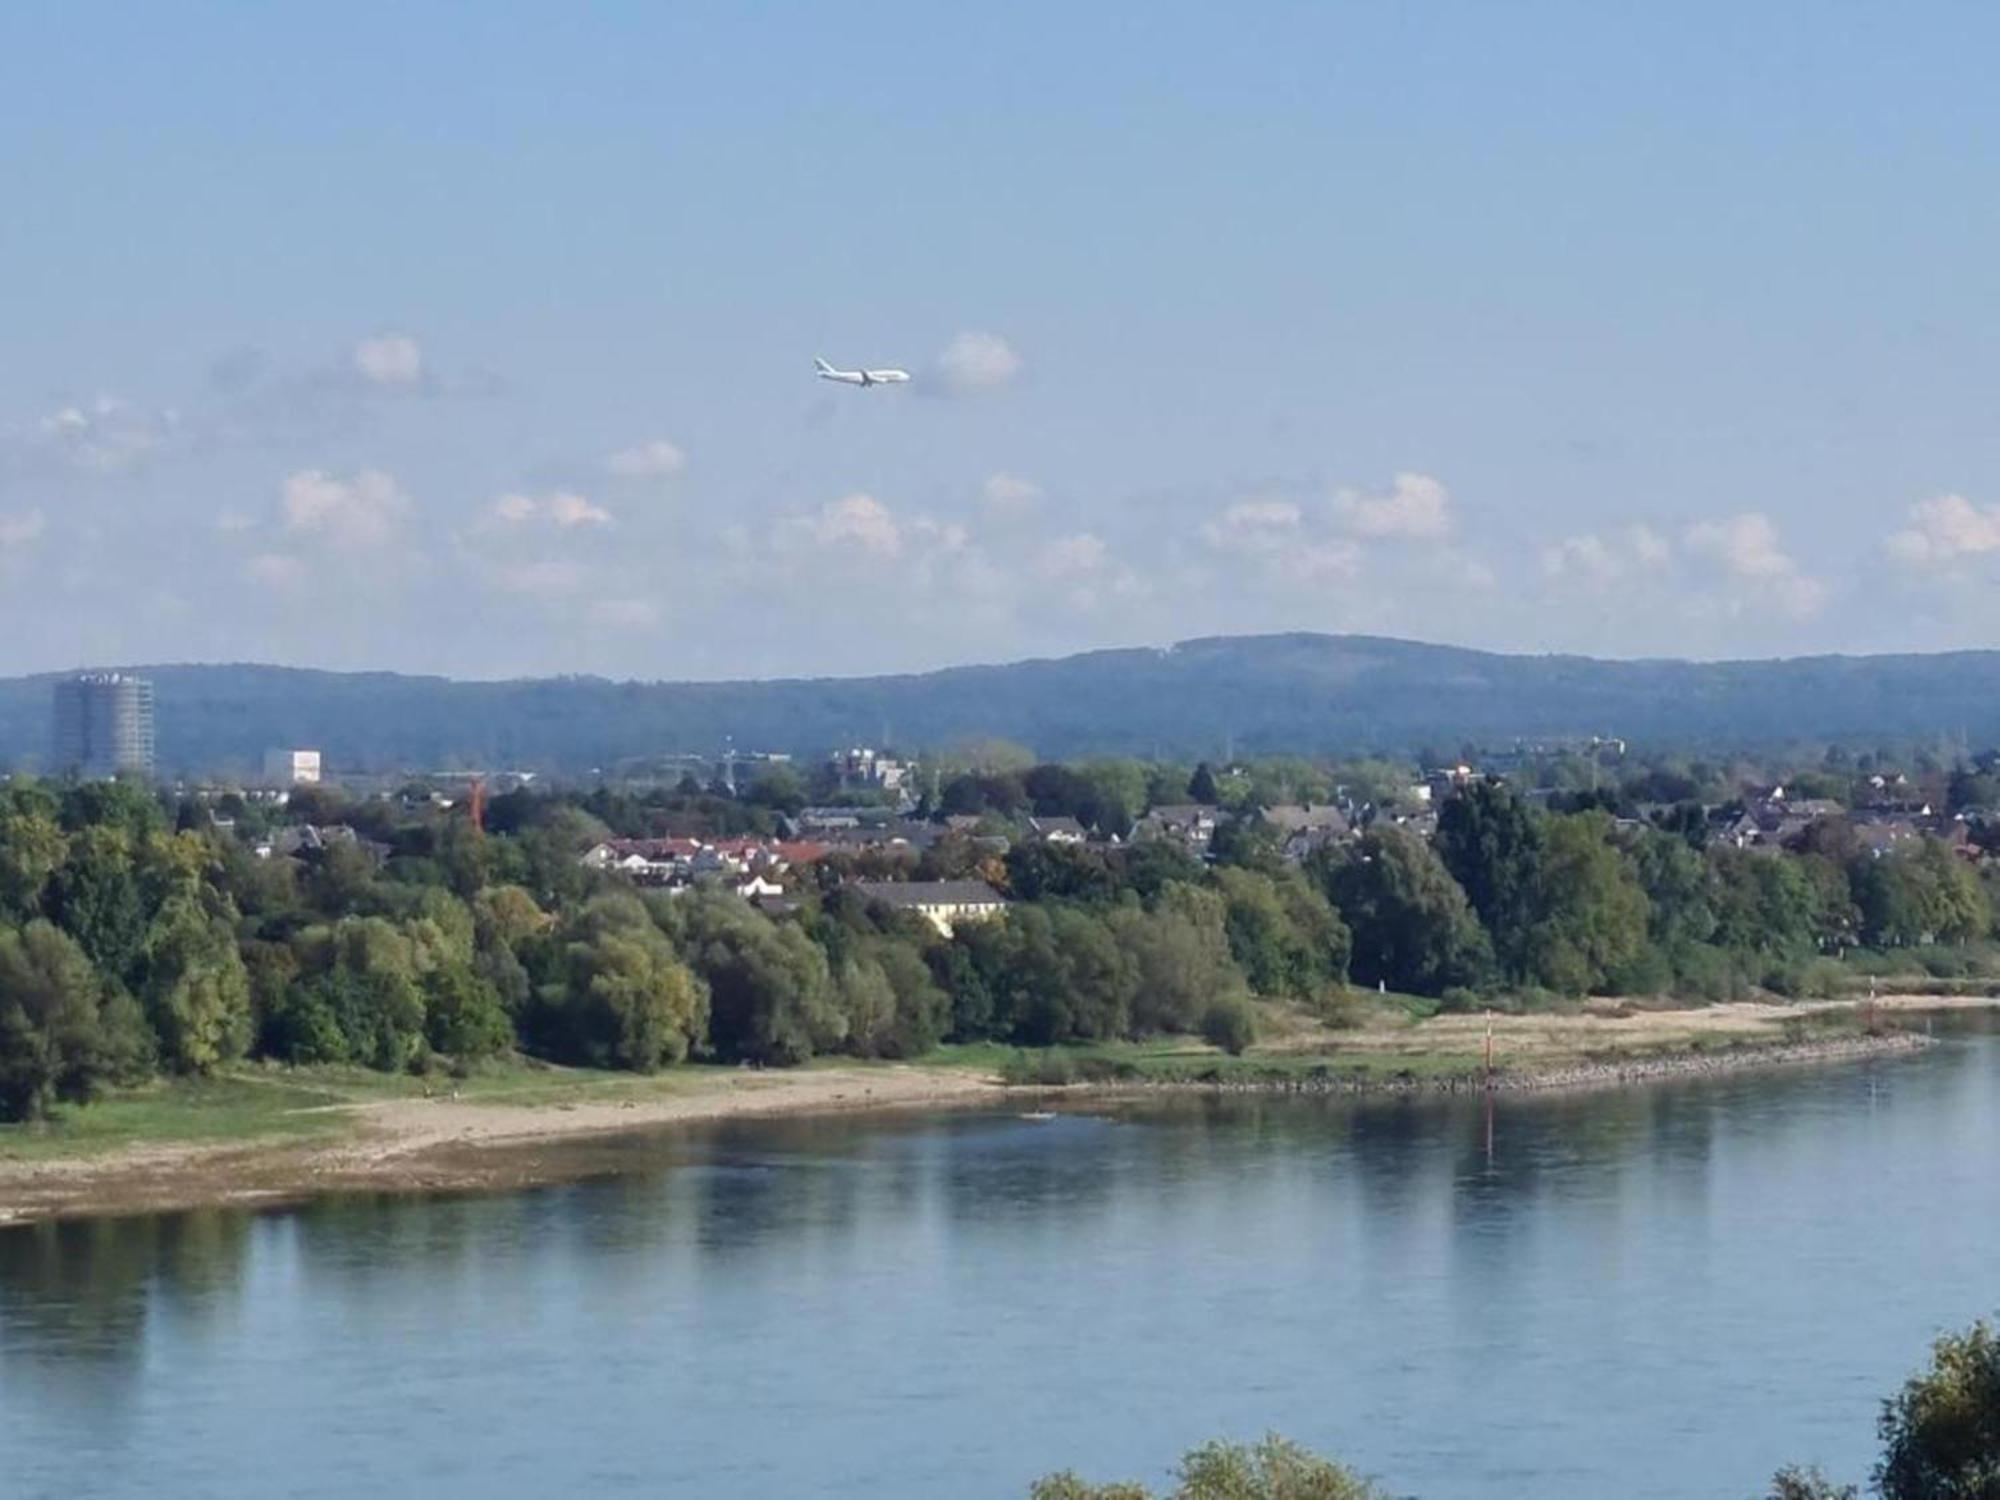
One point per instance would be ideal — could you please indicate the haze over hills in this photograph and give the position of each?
(1262, 694)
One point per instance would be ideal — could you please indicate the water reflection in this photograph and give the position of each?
(1588, 1288)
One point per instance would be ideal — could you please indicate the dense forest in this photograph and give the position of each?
(139, 932)
(1258, 694)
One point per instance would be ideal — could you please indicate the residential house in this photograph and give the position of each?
(1190, 824)
(307, 839)
(1304, 828)
(943, 903)
(1057, 831)
(862, 766)
(676, 862)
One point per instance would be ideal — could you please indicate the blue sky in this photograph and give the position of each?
(478, 339)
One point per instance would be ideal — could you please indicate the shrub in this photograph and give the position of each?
(1038, 1069)
(1229, 1024)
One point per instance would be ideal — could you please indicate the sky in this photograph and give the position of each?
(478, 339)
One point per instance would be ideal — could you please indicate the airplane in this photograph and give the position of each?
(861, 377)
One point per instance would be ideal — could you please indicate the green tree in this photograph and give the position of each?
(466, 855)
(123, 806)
(1941, 1433)
(196, 989)
(1202, 788)
(1120, 794)
(1492, 843)
(922, 1008)
(96, 898)
(1282, 933)
(1807, 1484)
(624, 1000)
(358, 999)
(1054, 974)
(1272, 1469)
(1765, 907)
(64, 1032)
(772, 997)
(1956, 905)
(1094, 975)
(340, 880)
(1179, 953)
(777, 787)
(1593, 911)
(1680, 910)
(463, 1014)
(869, 1004)
(32, 849)
(1413, 928)
(1038, 871)
(1248, 842)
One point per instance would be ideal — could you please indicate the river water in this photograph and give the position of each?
(1668, 1291)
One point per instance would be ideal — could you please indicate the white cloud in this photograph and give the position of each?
(1746, 545)
(1082, 568)
(974, 362)
(1274, 533)
(561, 509)
(658, 459)
(1254, 526)
(1945, 529)
(1649, 549)
(1415, 508)
(574, 510)
(1010, 494)
(391, 360)
(108, 435)
(1599, 560)
(21, 530)
(362, 512)
(860, 522)
(1068, 556)
(1747, 548)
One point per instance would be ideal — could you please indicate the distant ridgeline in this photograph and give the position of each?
(1273, 694)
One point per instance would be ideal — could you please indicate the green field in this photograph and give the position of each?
(255, 1102)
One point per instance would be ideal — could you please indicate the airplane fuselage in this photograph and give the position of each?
(861, 377)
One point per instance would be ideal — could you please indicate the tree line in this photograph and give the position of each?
(137, 935)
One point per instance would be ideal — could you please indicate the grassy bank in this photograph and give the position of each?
(1390, 1039)
(257, 1103)
(1367, 1040)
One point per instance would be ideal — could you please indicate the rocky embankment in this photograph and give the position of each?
(1736, 1057)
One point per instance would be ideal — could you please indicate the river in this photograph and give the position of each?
(1662, 1292)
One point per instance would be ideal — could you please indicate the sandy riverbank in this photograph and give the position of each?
(442, 1143)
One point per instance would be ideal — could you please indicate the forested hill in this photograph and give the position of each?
(1263, 694)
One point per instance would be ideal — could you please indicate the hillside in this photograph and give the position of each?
(1305, 693)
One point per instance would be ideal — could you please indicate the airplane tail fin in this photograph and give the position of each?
(823, 367)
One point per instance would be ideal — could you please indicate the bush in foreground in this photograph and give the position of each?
(1230, 1024)
(1274, 1469)
(1940, 1433)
